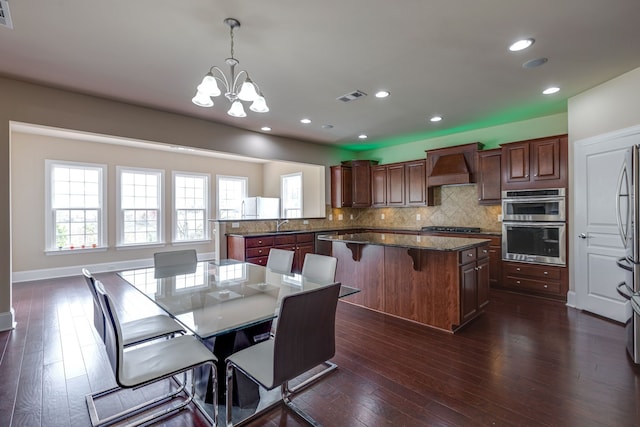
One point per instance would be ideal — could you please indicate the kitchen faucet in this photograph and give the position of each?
(280, 224)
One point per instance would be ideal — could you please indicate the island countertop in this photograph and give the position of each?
(433, 243)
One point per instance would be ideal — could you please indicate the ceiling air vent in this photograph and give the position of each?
(5, 16)
(351, 96)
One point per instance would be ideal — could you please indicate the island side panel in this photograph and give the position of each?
(429, 295)
(367, 274)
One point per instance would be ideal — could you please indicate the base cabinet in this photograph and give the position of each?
(256, 249)
(474, 281)
(543, 280)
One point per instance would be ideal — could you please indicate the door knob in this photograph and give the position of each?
(582, 236)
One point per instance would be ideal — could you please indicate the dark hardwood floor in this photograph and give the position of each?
(526, 361)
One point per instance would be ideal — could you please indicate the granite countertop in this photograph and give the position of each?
(341, 229)
(434, 243)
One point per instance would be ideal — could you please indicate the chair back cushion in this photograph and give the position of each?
(175, 258)
(113, 333)
(305, 334)
(319, 268)
(280, 261)
(98, 317)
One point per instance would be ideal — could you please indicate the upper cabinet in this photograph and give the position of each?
(351, 184)
(489, 177)
(399, 184)
(537, 163)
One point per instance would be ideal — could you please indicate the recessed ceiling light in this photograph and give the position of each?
(521, 45)
(362, 136)
(305, 121)
(327, 126)
(436, 118)
(551, 90)
(382, 94)
(265, 128)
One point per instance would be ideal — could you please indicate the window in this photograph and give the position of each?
(231, 191)
(191, 206)
(75, 205)
(291, 191)
(140, 219)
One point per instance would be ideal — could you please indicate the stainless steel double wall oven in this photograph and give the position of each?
(534, 226)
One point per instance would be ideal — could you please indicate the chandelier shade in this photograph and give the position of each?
(238, 87)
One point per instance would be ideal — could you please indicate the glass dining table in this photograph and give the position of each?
(229, 305)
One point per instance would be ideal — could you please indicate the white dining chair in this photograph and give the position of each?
(305, 338)
(280, 261)
(147, 364)
(175, 258)
(319, 268)
(135, 331)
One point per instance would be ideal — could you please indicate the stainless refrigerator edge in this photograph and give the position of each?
(628, 212)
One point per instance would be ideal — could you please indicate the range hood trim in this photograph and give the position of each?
(452, 165)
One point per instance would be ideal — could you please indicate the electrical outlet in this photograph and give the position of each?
(500, 217)
(235, 225)
(339, 217)
(330, 217)
(381, 216)
(417, 217)
(305, 222)
(351, 216)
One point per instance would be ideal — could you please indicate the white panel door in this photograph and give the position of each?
(596, 242)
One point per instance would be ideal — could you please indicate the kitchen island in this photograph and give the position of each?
(441, 282)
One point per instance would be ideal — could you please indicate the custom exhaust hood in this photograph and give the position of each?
(452, 165)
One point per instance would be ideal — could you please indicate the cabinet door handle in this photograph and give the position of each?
(545, 286)
(518, 282)
(517, 268)
(469, 255)
(546, 272)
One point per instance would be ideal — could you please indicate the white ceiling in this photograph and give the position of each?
(434, 56)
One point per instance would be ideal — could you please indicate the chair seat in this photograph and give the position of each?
(257, 361)
(147, 328)
(161, 359)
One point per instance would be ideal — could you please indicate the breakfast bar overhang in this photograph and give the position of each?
(441, 282)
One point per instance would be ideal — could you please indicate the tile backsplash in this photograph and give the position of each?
(456, 206)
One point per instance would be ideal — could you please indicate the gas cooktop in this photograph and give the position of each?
(449, 229)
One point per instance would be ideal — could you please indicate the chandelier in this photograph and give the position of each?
(238, 87)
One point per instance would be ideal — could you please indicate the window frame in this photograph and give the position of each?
(245, 181)
(120, 212)
(283, 208)
(49, 223)
(206, 209)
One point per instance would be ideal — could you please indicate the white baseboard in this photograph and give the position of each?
(7, 320)
(571, 299)
(50, 273)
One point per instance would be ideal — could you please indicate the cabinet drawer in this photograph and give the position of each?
(536, 271)
(547, 286)
(253, 242)
(257, 252)
(262, 260)
(286, 239)
(468, 255)
(483, 252)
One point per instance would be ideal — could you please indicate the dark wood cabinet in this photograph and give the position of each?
(416, 183)
(399, 184)
(489, 177)
(536, 163)
(256, 249)
(361, 181)
(351, 184)
(341, 186)
(388, 185)
(474, 281)
(543, 280)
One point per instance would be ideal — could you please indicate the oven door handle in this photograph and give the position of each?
(622, 229)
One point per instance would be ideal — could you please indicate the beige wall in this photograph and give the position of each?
(313, 181)
(31, 103)
(28, 156)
